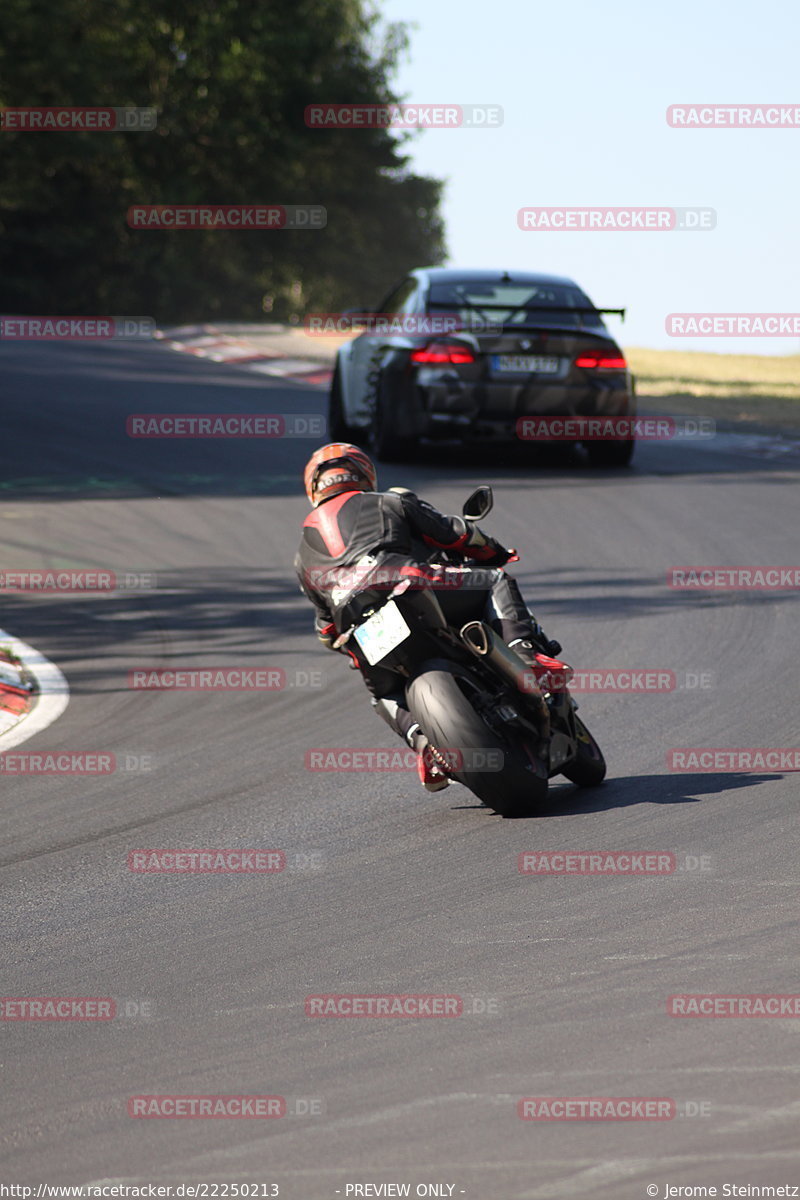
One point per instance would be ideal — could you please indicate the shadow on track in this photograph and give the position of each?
(638, 789)
(193, 618)
(195, 615)
(683, 788)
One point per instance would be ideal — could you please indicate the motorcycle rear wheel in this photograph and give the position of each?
(438, 699)
(588, 768)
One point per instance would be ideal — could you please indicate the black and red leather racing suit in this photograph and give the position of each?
(357, 536)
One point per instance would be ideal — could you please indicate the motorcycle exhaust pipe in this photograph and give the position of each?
(484, 643)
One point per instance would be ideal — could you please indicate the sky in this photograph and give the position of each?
(584, 87)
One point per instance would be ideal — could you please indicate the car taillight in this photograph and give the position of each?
(601, 362)
(440, 353)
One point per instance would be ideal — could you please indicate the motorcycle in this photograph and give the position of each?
(498, 725)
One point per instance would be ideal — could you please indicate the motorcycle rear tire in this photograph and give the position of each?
(588, 768)
(438, 700)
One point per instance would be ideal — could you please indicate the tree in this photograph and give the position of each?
(230, 80)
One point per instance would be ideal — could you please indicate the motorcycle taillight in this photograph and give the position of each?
(555, 673)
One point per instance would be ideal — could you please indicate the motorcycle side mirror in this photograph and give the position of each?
(479, 504)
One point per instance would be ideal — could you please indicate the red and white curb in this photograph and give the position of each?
(206, 341)
(33, 692)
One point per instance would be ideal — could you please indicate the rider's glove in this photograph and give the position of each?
(327, 635)
(486, 550)
(495, 555)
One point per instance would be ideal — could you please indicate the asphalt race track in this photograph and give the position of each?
(387, 890)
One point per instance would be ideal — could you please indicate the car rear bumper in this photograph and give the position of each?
(452, 408)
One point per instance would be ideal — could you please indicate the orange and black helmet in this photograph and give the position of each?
(338, 467)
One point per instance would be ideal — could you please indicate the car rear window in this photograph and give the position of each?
(516, 305)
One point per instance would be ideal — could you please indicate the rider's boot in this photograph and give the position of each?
(429, 770)
(396, 715)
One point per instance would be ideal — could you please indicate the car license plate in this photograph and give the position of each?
(524, 364)
(382, 632)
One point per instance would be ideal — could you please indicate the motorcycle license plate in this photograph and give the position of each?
(382, 632)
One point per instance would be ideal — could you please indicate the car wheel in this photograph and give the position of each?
(611, 454)
(338, 429)
(384, 441)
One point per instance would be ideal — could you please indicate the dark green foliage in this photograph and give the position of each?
(230, 80)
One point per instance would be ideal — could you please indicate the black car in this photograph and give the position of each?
(515, 346)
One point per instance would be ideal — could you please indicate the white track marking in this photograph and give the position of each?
(52, 693)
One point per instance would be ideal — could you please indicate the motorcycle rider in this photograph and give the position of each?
(355, 534)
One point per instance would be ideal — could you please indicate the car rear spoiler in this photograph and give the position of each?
(554, 308)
